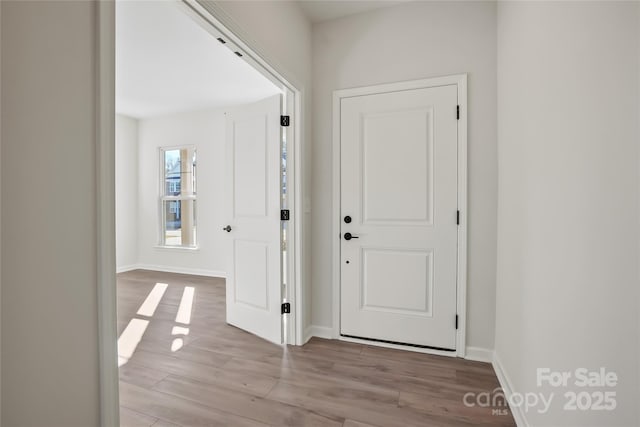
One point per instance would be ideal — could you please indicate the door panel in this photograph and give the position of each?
(410, 272)
(399, 185)
(251, 269)
(253, 211)
(250, 174)
(410, 160)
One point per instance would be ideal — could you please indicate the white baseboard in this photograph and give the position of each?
(307, 335)
(125, 268)
(322, 332)
(179, 270)
(479, 354)
(507, 388)
(317, 331)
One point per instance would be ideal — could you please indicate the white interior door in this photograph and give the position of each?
(253, 212)
(399, 188)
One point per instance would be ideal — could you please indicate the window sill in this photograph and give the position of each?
(178, 248)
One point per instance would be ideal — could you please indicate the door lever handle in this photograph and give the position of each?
(227, 229)
(349, 236)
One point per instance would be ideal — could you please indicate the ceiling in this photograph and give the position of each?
(325, 10)
(165, 63)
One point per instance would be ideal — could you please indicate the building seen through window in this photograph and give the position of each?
(178, 198)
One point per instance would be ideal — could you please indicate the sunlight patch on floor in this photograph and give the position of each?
(177, 344)
(186, 304)
(133, 333)
(150, 304)
(130, 339)
(184, 317)
(179, 330)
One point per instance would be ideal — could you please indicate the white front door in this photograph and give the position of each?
(253, 212)
(399, 206)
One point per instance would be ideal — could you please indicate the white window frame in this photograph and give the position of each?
(162, 197)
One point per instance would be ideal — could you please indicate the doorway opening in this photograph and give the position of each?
(177, 200)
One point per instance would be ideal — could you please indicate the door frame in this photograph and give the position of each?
(460, 80)
(213, 19)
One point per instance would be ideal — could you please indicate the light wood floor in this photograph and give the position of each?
(224, 376)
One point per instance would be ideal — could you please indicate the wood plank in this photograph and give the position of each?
(352, 423)
(358, 405)
(379, 365)
(190, 353)
(256, 408)
(335, 345)
(445, 406)
(426, 384)
(258, 385)
(163, 423)
(181, 411)
(130, 418)
(141, 375)
(303, 376)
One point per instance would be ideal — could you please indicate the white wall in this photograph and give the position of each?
(126, 192)
(567, 294)
(49, 276)
(0, 219)
(281, 34)
(204, 129)
(413, 41)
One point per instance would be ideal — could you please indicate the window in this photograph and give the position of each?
(178, 198)
(173, 187)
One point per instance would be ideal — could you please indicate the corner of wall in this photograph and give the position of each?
(318, 331)
(0, 219)
(479, 354)
(508, 390)
(126, 167)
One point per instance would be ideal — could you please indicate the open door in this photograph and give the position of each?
(253, 212)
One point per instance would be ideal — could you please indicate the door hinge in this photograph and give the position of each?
(284, 215)
(456, 321)
(457, 112)
(284, 121)
(286, 308)
(458, 217)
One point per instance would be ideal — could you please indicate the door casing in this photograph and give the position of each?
(460, 80)
(214, 20)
